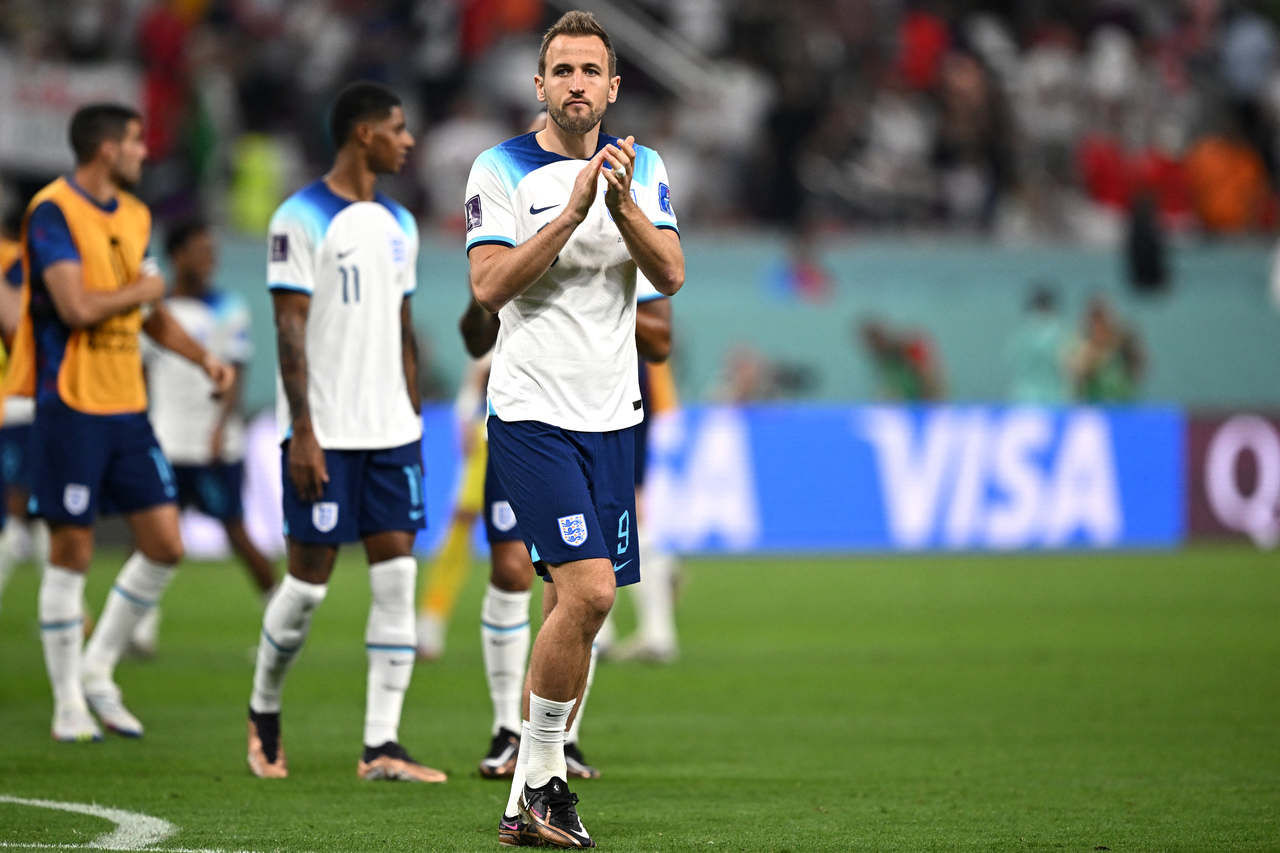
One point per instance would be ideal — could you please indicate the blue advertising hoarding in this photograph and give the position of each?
(787, 478)
(836, 478)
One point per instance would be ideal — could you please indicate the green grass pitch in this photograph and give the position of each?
(1066, 702)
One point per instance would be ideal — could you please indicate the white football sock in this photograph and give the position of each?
(61, 622)
(576, 727)
(39, 531)
(284, 629)
(10, 550)
(138, 588)
(545, 733)
(391, 645)
(517, 780)
(654, 599)
(504, 637)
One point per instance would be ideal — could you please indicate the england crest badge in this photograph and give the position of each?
(324, 516)
(503, 517)
(573, 529)
(75, 498)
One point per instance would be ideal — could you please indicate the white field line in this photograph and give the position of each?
(133, 831)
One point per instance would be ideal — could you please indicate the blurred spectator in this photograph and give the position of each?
(904, 362)
(800, 274)
(1108, 361)
(447, 150)
(749, 376)
(1227, 180)
(1033, 120)
(970, 150)
(1038, 352)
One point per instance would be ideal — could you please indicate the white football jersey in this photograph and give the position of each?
(182, 408)
(356, 261)
(566, 351)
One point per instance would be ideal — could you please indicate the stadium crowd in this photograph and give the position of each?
(1032, 120)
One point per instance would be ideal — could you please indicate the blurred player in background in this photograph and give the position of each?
(77, 351)
(202, 435)
(563, 393)
(448, 569)
(654, 597)
(21, 536)
(341, 270)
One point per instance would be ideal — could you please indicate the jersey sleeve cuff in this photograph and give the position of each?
(667, 226)
(288, 287)
(491, 240)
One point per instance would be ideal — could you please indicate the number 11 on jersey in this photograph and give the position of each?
(351, 279)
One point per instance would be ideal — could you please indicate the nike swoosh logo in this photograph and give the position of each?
(342, 255)
(401, 662)
(617, 567)
(534, 211)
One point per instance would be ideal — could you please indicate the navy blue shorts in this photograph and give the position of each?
(499, 518)
(212, 489)
(84, 465)
(15, 452)
(369, 491)
(572, 491)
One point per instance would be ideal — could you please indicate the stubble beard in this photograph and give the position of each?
(573, 124)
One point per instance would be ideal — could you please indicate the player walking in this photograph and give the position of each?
(558, 264)
(92, 449)
(341, 271)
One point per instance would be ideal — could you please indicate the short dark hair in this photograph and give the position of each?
(182, 231)
(576, 23)
(357, 102)
(94, 124)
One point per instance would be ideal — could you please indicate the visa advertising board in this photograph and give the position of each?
(793, 478)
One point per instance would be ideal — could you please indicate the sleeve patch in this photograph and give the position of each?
(279, 248)
(472, 209)
(664, 199)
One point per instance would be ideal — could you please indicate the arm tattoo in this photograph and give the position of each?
(291, 349)
(409, 349)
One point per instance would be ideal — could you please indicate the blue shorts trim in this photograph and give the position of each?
(369, 491)
(214, 490)
(573, 492)
(84, 465)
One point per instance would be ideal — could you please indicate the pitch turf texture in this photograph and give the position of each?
(1064, 702)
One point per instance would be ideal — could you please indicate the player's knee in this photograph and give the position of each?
(596, 600)
(167, 551)
(510, 572)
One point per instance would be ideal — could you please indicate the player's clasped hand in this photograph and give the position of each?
(583, 194)
(307, 470)
(618, 167)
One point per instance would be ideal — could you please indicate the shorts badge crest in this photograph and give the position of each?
(573, 529)
(324, 516)
(503, 516)
(75, 498)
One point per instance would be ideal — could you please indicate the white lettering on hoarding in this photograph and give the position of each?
(1256, 513)
(713, 495)
(987, 478)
